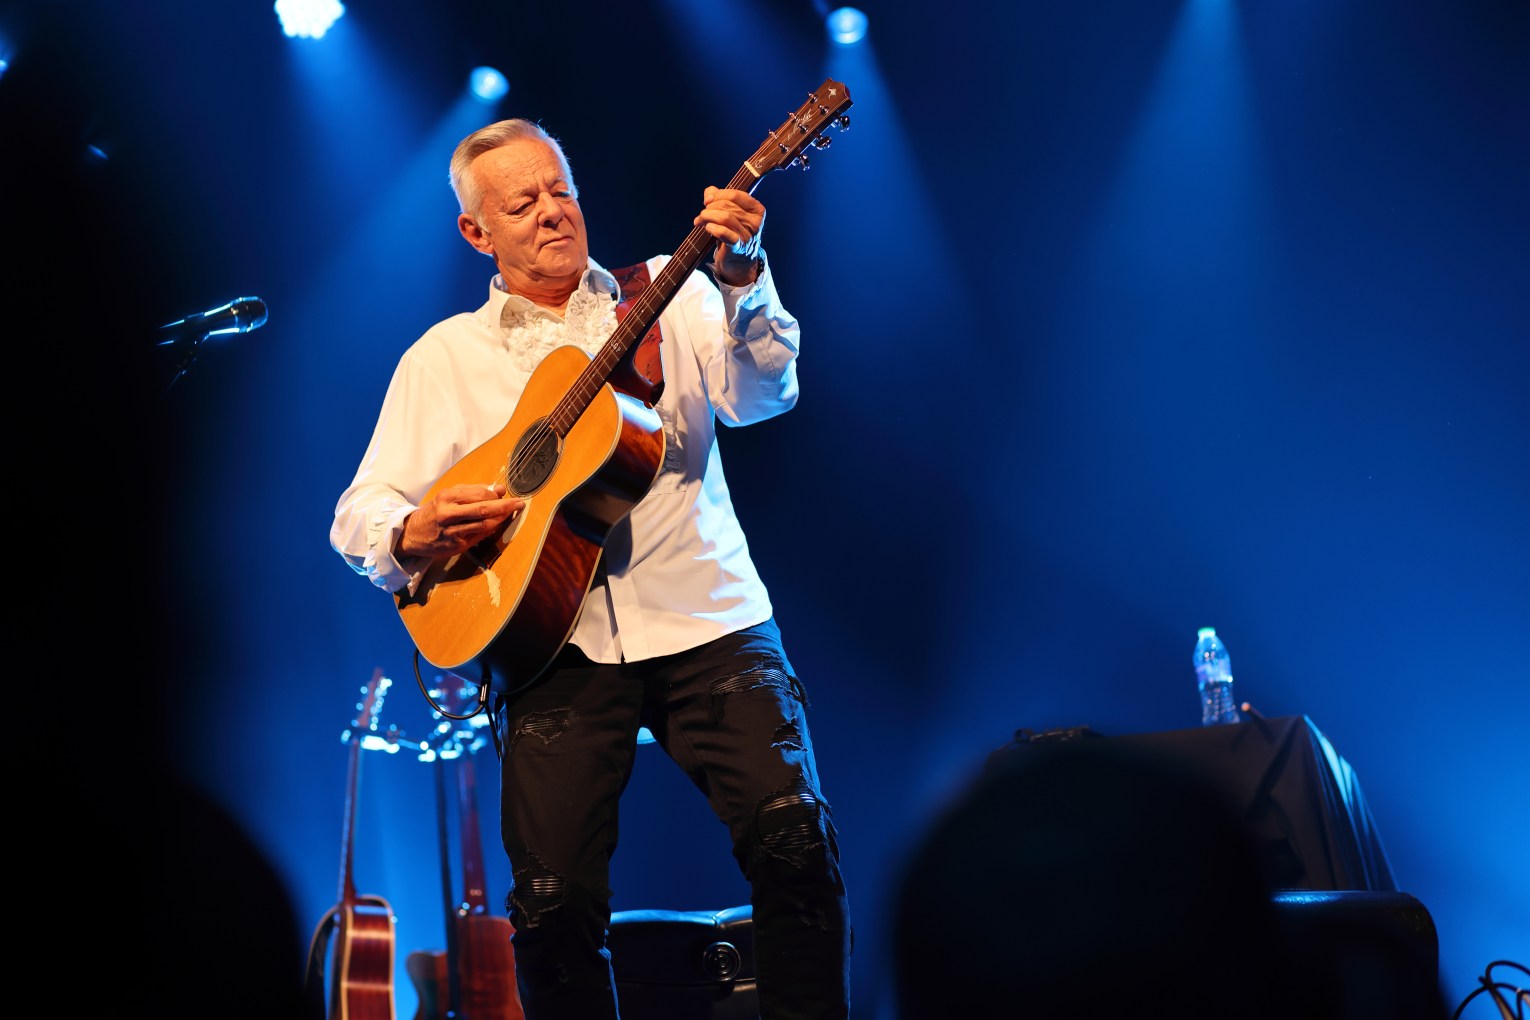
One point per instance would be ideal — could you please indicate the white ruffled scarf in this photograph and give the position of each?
(587, 322)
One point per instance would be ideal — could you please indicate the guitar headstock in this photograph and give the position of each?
(364, 726)
(825, 107)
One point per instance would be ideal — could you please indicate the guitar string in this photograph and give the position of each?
(566, 412)
(572, 404)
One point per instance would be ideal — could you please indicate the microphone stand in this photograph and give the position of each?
(238, 316)
(186, 362)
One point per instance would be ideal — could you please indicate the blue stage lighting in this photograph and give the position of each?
(846, 25)
(488, 85)
(308, 19)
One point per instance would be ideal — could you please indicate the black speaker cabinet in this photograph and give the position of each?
(684, 965)
(1296, 793)
(1364, 952)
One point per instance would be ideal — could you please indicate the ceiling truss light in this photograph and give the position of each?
(308, 19)
(846, 25)
(488, 85)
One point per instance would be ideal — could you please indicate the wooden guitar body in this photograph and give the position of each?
(508, 605)
(486, 975)
(488, 968)
(430, 974)
(361, 977)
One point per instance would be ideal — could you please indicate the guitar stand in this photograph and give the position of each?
(314, 999)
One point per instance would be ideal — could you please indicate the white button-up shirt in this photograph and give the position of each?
(676, 570)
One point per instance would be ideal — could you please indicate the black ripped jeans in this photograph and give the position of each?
(732, 714)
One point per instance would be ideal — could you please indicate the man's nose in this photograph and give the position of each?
(549, 209)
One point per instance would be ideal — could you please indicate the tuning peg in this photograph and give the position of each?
(822, 142)
(843, 122)
(802, 161)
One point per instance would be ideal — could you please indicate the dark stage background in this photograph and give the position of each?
(1120, 319)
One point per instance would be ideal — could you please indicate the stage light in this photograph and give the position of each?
(846, 25)
(488, 85)
(308, 19)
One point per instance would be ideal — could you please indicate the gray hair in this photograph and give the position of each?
(465, 187)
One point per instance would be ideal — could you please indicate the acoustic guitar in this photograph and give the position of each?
(361, 960)
(583, 451)
(475, 978)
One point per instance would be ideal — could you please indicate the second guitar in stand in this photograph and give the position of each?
(474, 979)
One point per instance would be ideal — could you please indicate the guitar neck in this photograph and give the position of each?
(369, 707)
(474, 899)
(633, 327)
(645, 311)
(361, 963)
(453, 1003)
(348, 828)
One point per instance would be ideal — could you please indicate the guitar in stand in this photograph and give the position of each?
(475, 978)
(361, 957)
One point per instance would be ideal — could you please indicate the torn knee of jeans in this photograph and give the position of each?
(791, 824)
(535, 890)
(788, 736)
(770, 674)
(545, 726)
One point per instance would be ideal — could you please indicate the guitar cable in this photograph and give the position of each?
(481, 698)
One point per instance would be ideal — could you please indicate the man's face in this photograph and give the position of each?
(530, 221)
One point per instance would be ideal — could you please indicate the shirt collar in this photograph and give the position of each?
(506, 309)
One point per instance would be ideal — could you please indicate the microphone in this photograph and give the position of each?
(238, 316)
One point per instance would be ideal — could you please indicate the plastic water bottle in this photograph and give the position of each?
(1213, 674)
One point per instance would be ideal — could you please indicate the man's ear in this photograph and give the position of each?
(474, 234)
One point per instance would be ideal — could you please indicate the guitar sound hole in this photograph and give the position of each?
(533, 460)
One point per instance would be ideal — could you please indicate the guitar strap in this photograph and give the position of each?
(640, 373)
